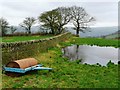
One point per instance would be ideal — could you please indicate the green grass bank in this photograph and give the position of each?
(68, 74)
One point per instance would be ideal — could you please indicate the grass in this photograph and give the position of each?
(23, 38)
(93, 41)
(66, 74)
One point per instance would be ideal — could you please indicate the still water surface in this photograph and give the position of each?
(91, 54)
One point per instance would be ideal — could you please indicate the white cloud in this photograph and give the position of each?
(105, 11)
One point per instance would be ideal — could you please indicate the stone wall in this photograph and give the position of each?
(25, 49)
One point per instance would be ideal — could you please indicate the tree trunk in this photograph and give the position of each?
(59, 30)
(29, 30)
(77, 32)
(52, 31)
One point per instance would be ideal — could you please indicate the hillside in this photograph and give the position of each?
(113, 35)
(95, 31)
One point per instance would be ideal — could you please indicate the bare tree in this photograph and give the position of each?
(49, 20)
(64, 17)
(81, 19)
(56, 19)
(3, 26)
(28, 23)
(13, 29)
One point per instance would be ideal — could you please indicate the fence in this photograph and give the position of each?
(25, 49)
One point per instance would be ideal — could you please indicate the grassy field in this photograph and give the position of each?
(66, 74)
(23, 38)
(95, 41)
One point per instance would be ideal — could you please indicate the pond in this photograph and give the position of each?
(91, 54)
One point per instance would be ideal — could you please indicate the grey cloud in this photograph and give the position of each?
(102, 11)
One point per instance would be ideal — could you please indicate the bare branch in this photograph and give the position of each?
(28, 23)
(81, 19)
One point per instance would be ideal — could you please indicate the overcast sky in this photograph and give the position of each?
(105, 11)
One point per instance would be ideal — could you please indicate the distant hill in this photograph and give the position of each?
(113, 35)
(34, 29)
(96, 31)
